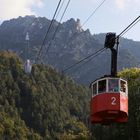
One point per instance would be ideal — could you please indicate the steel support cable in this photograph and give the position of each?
(101, 50)
(84, 24)
(132, 24)
(129, 26)
(87, 18)
(44, 40)
(93, 12)
(94, 56)
(49, 45)
(91, 58)
(60, 8)
(73, 65)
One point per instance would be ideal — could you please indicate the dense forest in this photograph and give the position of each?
(44, 105)
(47, 105)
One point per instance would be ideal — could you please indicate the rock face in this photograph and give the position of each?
(70, 44)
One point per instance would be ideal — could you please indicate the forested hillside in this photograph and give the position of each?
(47, 105)
(44, 105)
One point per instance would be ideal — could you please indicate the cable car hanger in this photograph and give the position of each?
(111, 40)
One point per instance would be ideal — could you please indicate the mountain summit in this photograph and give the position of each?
(71, 44)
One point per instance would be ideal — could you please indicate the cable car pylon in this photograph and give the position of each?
(27, 64)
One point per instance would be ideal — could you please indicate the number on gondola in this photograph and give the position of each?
(113, 99)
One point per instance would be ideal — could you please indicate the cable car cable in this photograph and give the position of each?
(81, 27)
(60, 8)
(93, 12)
(73, 65)
(44, 40)
(49, 45)
(94, 56)
(86, 19)
(126, 30)
(129, 26)
(91, 58)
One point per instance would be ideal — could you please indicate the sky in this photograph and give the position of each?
(112, 16)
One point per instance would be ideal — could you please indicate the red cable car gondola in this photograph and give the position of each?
(109, 102)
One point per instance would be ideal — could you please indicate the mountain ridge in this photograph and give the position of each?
(70, 45)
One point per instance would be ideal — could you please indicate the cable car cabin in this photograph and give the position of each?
(109, 102)
(27, 66)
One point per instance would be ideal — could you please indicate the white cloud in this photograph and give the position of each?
(14, 8)
(39, 3)
(120, 4)
(123, 4)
